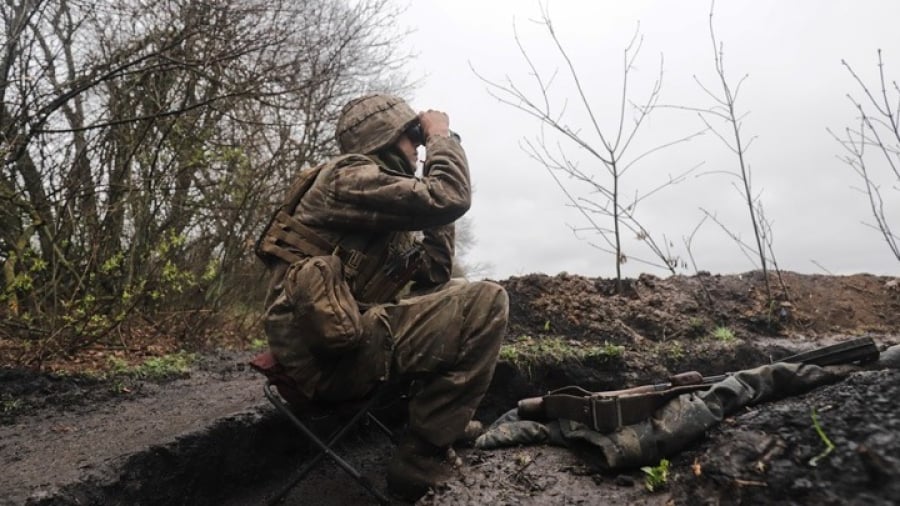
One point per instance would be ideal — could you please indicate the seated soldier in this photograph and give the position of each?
(360, 258)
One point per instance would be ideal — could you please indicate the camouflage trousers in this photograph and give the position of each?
(447, 341)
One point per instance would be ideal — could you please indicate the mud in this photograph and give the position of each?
(83, 441)
(210, 438)
(774, 455)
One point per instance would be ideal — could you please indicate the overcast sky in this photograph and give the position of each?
(792, 51)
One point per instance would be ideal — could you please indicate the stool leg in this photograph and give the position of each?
(384, 428)
(325, 449)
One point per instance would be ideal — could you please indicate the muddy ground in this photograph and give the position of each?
(208, 437)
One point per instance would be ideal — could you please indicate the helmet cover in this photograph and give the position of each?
(372, 122)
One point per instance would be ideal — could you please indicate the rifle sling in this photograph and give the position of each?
(606, 413)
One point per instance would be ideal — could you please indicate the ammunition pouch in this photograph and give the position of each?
(322, 304)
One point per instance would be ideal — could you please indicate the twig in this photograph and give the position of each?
(820, 266)
(750, 483)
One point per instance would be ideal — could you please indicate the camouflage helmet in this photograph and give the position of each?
(372, 122)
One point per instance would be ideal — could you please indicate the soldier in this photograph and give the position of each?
(360, 258)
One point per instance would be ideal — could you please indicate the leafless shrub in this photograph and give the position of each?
(609, 212)
(724, 120)
(873, 147)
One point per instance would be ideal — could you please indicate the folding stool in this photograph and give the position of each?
(289, 401)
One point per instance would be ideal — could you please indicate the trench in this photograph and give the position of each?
(248, 457)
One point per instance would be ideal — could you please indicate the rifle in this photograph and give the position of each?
(607, 411)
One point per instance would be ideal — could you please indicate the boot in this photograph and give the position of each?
(416, 467)
(473, 429)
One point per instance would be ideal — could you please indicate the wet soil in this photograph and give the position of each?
(652, 310)
(210, 438)
(68, 437)
(774, 455)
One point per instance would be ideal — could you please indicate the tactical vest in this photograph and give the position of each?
(373, 269)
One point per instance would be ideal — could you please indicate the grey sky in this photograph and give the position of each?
(792, 51)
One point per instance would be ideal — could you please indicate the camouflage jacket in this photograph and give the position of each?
(360, 202)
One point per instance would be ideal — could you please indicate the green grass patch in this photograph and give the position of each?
(527, 351)
(723, 334)
(674, 350)
(154, 368)
(258, 344)
(656, 477)
(10, 406)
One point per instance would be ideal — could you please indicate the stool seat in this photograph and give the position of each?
(294, 405)
(266, 364)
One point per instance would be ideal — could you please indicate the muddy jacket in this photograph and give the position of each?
(382, 221)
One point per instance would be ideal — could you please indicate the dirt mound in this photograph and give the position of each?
(684, 308)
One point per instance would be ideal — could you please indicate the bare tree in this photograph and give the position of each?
(465, 240)
(873, 147)
(144, 141)
(610, 211)
(725, 111)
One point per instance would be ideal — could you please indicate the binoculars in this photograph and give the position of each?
(415, 134)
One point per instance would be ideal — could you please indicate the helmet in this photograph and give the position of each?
(372, 122)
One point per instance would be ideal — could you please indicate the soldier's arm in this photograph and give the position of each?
(438, 244)
(364, 195)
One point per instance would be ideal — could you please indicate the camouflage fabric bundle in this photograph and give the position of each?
(680, 422)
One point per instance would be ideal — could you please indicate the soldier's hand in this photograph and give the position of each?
(434, 123)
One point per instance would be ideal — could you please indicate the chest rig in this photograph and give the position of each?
(377, 266)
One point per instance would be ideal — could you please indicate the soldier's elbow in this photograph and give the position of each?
(459, 208)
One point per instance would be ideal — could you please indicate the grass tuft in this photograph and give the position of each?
(258, 344)
(155, 368)
(526, 351)
(723, 334)
(656, 476)
(10, 406)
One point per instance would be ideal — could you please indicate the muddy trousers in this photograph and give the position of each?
(446, 341)
(449, 342)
